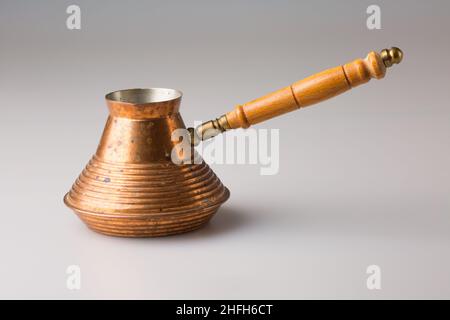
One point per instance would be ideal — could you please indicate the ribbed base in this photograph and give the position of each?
(145, 200)
(124, 226)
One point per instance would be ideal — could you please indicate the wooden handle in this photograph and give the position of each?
(309, 91)
(306, 92)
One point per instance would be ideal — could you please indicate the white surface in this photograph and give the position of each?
(364, 178)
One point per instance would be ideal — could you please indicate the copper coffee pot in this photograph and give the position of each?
(132, 188)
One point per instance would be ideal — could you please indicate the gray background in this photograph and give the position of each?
(364, 178)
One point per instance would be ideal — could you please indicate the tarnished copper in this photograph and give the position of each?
(131, 187)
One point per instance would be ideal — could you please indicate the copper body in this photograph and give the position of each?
(131, 187)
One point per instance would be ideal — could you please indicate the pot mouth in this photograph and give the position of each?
(144, 103)
(144, 96)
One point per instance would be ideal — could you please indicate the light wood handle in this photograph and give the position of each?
(309, 91)
(303, 93)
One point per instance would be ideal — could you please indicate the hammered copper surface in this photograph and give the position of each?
(131, 187)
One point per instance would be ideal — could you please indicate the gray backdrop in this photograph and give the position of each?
(364, 178)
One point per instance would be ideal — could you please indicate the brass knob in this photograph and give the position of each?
(391, 56)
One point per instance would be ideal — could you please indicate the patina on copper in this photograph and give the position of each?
(131, 187)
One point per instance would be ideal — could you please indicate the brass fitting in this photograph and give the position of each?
(209, 129)
(391, 56)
